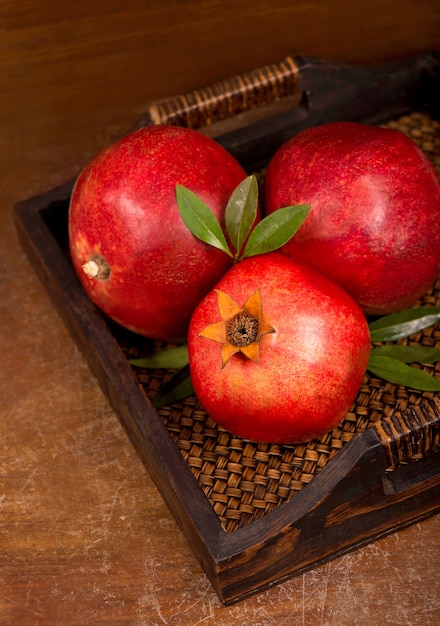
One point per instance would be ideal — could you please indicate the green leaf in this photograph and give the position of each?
(400, 373)
(177, 388)
(241, 211)
(275, 230)
(403, 324)
(200, 220)
(408, 354)
(169, 358)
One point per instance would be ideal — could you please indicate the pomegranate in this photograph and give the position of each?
(277, 352)
(134, 255)
(374, 224)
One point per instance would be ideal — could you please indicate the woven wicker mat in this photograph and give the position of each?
(244, 480)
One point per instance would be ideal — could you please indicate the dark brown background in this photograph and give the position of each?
(84, 536)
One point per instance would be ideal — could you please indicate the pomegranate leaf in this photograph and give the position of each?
(200, 220)
(241, 211)
(169, 358)
(399, 373)
(403, 324)
(177, 388)
(408, 354)
(275, 230)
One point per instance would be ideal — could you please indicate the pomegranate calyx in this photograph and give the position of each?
(97, 267)
(241, 328)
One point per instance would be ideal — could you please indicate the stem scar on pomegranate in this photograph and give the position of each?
(97, 267)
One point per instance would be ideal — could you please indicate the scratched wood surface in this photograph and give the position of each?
(84, 536)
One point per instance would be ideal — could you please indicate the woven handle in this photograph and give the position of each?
(412, 435)
(227, 98)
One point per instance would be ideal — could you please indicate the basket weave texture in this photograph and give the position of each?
(244, 480)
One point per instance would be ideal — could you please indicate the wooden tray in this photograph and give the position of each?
(255, 514)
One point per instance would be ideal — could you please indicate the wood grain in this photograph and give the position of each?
(84, 536)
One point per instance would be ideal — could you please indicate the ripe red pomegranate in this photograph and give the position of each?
(277, 352)
(374, 224)
(134, 255)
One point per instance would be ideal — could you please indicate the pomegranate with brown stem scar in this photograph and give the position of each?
(134, 255)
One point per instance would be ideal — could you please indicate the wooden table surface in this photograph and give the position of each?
(84, 536)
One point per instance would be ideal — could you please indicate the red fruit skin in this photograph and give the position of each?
(309, 370)
(374, 224)
(124, 208)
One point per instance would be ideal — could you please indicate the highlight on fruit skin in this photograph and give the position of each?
(241, 328)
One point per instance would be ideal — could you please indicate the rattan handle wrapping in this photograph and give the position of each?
(411, 435)
(230, 97)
